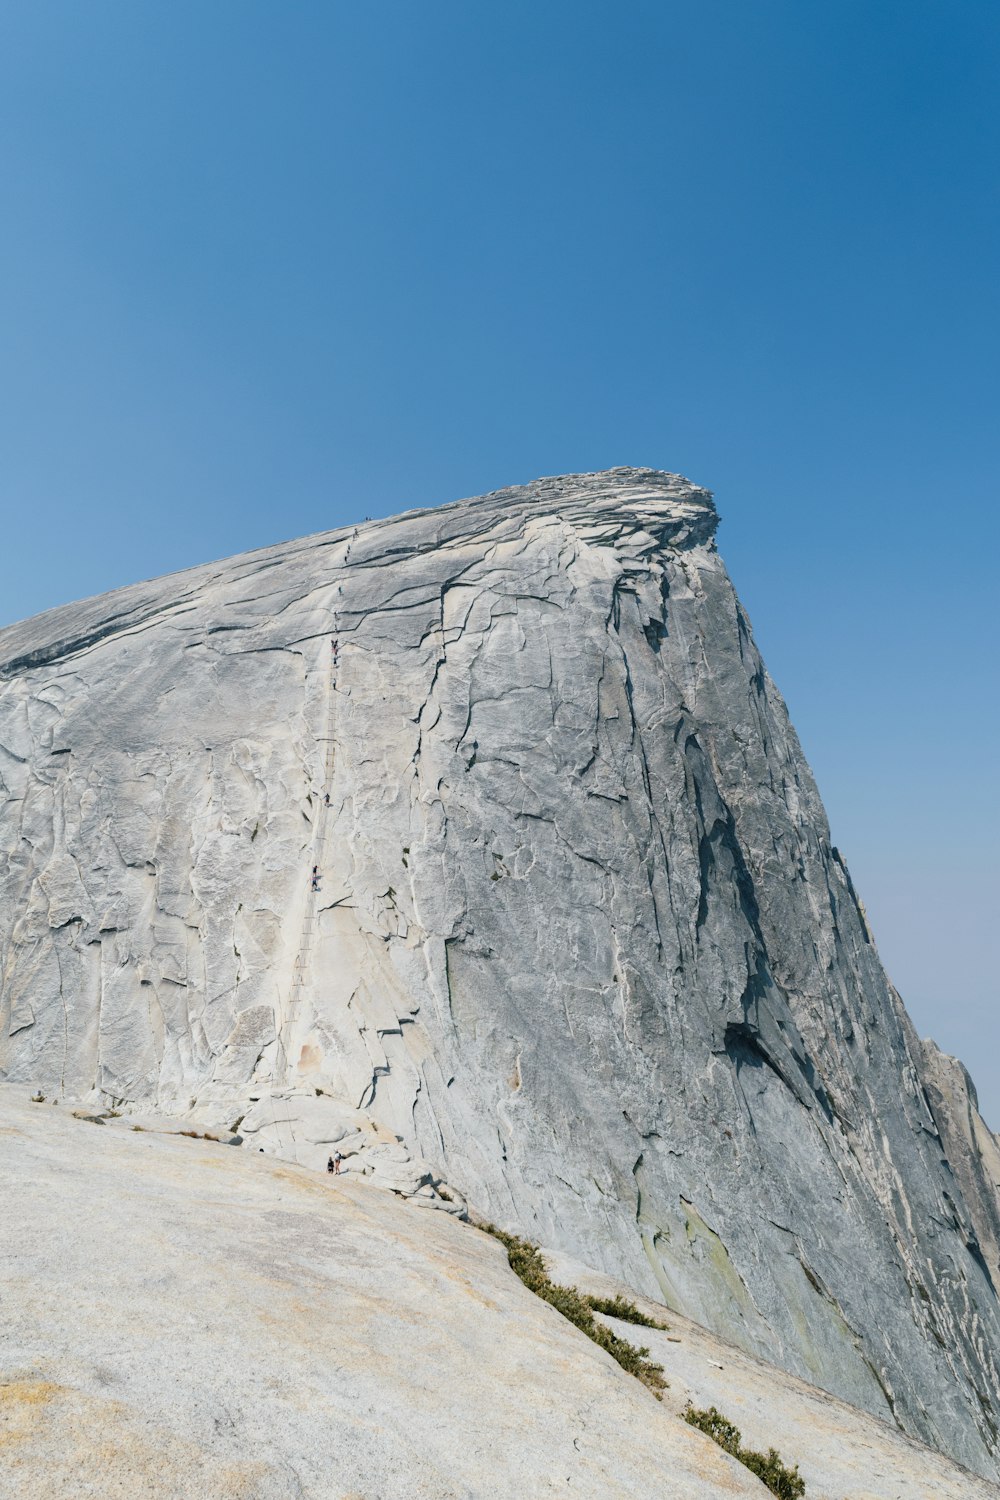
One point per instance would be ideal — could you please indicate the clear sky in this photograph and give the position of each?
(266, 268)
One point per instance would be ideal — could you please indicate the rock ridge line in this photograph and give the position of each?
(476, 843)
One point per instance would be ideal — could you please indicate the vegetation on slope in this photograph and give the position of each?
(527, 1263)
(782, 1481)
(620, 1307)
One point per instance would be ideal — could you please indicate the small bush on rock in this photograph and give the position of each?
(526, 1262)
(782, 1481)
(620, 1307)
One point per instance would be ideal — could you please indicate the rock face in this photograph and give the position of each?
(841, 1453)
(576, 945)
(973, 1151)
(242, 1329)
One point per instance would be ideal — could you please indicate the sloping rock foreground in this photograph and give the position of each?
(180, 1321)
(477, 843)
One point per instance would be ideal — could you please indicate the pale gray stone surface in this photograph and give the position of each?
(972, 1149)
(581, 945)
(840, 1452)
(184, 1322)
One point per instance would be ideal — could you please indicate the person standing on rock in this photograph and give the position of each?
(333, 1163)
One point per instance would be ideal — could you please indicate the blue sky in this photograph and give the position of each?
(267, 268)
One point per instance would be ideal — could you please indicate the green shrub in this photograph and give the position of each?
(620, 1307)
(526, 1262)
(782, 1481)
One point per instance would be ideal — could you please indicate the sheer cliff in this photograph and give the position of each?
(478, 841)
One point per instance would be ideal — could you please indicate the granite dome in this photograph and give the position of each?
(478, 841)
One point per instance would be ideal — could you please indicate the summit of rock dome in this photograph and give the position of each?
(477, 843)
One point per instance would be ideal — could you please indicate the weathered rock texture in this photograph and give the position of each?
(841, 1453)
(580, 947)
(183, 1322)
(973, 1151)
